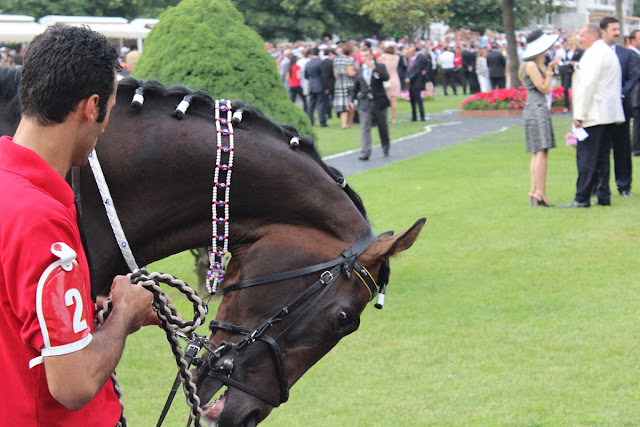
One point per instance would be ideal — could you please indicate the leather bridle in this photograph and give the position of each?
(347, 263)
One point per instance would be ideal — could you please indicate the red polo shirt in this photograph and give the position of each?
(45, 304)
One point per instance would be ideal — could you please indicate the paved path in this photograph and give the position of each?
(450, 129)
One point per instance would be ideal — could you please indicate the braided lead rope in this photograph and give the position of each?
(118, 232)
(220, 202)
(171, 324)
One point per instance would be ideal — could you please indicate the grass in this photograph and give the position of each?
(500, 315)
(334, 139)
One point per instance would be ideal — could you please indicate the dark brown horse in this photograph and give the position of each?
(287, 212)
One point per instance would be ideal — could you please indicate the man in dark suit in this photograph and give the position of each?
(416, 76)
(469, 69)
(372, 103)
(629, 62)
(634, 41)
(497, 67)
(317, 97)
(328, 82)
(403, 67)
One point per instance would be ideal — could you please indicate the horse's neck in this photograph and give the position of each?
(160, 171)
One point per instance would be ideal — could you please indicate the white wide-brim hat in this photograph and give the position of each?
(540, 45)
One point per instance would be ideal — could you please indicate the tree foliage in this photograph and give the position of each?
(204, 44)
(478, 15)
(305, 19)
(405, 17)
(129, 9)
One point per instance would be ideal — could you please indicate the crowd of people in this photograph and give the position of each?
(11, 57)
(606, 95)
(335, 76)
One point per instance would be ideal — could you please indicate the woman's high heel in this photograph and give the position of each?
(542, 202)
(532, 199)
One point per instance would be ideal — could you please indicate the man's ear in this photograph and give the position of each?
(90, 108)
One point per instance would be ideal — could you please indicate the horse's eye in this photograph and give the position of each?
(344, 319)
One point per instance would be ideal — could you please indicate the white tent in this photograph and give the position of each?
(18, 29)
(111, 27)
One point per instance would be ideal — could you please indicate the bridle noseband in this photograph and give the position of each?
(346, 263)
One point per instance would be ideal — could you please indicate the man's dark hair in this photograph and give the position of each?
(63, 66)
(632, 34)
(315, 51)
(604, 22)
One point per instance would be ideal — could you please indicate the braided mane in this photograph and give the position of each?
(250, 113)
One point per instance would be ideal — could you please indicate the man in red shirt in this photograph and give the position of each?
(55, 365)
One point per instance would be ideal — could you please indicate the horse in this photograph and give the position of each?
(304, 260)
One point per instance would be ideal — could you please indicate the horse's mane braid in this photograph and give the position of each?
(10, 87)
(286, 132)
(282, 132)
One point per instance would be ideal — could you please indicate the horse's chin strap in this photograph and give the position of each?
(346, 263)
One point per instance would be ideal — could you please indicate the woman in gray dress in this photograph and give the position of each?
(537, 119)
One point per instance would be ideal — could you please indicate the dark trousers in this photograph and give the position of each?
(367, 117)
(293, 95)
(416, 103)
(635, 142)
(621, 144)
(566, 84)
(472, 78)
(318, 100)
(592, 158)
(449, 79)
(460, 80)
(498, 82)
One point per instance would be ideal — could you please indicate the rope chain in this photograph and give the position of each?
(171, 324)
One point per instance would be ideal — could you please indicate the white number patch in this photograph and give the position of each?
(72, 296)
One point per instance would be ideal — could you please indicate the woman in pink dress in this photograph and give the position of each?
(390, 61)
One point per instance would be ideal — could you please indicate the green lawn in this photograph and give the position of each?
(500, 315)
(334, 139)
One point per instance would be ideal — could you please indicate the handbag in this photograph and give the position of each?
(386, 84)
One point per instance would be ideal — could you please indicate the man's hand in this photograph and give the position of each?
(133, 300)
(577, 123)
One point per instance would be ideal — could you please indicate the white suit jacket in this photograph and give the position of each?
(597, 85)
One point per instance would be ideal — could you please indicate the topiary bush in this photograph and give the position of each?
(204, 44)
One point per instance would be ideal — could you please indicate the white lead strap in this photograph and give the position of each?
(105, 194)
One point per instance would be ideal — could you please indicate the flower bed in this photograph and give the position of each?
(506, 99)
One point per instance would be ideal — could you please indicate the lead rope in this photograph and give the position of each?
(112, 214)
(172, 324)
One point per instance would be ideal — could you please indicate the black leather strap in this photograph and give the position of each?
(237, 384)
(357, 249)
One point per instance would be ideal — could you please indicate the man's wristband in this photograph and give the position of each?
(549, 73)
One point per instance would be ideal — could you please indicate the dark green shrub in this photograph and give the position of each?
(204, 44)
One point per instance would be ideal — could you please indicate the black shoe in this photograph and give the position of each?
(413, 119)
(576, 204)
(385, 152)
(324, 125)
(626, 193)
(363, 158)
(636, 154)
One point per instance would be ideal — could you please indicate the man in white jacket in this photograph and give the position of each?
(597, 106)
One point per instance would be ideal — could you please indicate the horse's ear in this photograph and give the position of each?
(403, 241)
(387, 245)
